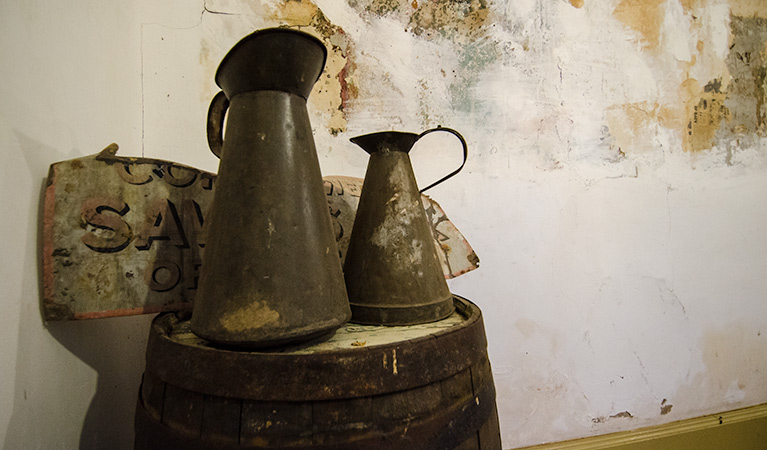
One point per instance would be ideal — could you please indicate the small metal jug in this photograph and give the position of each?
(271, 273)
(392, 271)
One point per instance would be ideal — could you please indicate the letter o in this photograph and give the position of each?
(164, 276)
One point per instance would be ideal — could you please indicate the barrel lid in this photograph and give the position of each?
(355, 361)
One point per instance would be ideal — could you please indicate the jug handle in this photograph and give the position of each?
(216, 114)
(465, 153)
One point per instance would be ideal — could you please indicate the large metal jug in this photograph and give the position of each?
(271, 273)
(392, 271)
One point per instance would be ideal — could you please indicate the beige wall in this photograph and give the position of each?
(615, 191)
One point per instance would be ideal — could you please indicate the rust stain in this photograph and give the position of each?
(642, 16)
(336, 88)
(253, 314)
(577, 3)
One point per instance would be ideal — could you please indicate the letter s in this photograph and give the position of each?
(111, 233)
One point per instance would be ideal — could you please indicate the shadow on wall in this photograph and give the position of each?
(52, 385)
(115, 349)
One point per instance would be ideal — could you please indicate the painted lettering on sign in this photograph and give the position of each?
(110, 226)
(174, 175)
(107, 228)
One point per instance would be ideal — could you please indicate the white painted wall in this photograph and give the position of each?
(611, 281)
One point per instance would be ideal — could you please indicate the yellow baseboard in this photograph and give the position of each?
(742, 429)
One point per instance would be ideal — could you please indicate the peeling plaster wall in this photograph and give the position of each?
(615, 190)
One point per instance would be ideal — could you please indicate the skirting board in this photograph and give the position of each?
(742, 429)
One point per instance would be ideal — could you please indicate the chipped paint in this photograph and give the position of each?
(749, 8)
(455, 21)
(381, 7)
(336, 86)
(747, 64)
(465, 25)
(706, 117)
(577, 3)
(705, 112)
(634, 126)
(394, 369)
(451, 20)
(644, 17)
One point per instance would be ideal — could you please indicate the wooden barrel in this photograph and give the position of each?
(365, 387)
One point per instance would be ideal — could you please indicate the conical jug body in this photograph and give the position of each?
(392, 271)
(271, 273)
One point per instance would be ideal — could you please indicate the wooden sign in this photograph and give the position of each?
(124, 236)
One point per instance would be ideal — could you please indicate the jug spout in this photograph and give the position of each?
(386, 141)
(392, 270)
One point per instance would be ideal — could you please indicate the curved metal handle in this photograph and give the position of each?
(465, 153)
(216, 114)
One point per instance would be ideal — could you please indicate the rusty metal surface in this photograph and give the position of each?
(124, 236)
(392, 271)
(272, 274)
